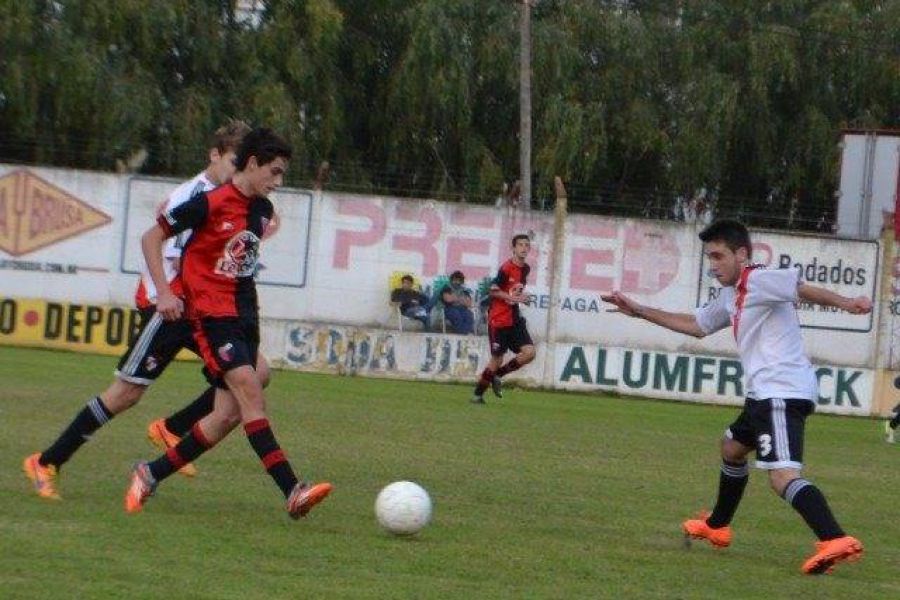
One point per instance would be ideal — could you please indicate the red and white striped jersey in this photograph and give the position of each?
(145, 296)
(761, 311)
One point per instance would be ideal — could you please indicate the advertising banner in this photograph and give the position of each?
(697, 378)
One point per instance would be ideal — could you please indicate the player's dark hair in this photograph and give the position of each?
(407, 278)
(265, 145)
(520, 236)
(457, 275)
(229, 136)
(732, 233)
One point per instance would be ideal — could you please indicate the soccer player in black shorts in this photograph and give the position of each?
(154, 347)
(218, 265)
(506, 326)
(758, 305)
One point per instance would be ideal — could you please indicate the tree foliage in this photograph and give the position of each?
(638, 105)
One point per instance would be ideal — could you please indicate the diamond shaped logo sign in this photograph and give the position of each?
(34, 214)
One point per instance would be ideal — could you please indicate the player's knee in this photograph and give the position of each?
(733, 451)
(121, 396)
(527, 355)
(780, 478)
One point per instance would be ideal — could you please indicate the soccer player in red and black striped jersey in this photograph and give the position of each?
(506, 325)
(218, 264)
(153, 348)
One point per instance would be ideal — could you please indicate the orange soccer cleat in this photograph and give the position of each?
(142, 487)
(698, 529)
(831, 552)
(43, 478)
(162, 438)
(304, 496)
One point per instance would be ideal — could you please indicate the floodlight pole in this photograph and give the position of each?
(525, 102)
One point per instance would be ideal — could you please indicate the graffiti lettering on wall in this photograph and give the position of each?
(664, 372)
(603, 254)
(346, 350)
(88, 327)
(453, 356)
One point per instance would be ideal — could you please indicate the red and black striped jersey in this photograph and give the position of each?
(510, 279)
(220, 258)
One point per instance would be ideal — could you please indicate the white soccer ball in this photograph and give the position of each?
(403, 507)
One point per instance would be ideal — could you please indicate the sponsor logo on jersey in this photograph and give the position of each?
(34, 214)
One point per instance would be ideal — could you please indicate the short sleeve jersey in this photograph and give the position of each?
(220, 258)
(511, 277)
(761, 311)
(145, 296)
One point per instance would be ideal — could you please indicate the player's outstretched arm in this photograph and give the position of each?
(680, 322)
(860, 305)
(167, 304)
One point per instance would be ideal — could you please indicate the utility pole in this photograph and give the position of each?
(525, 102)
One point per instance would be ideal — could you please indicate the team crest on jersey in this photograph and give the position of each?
(150, 364)
(240, 256)
(226, 352)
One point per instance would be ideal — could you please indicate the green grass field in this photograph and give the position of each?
(540, 495)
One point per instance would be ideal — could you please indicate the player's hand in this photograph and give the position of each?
(861, 305)
(518, 298)
(623, 304)
(169, 306)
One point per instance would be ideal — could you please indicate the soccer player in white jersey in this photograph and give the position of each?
(758, 304)
(154, 347)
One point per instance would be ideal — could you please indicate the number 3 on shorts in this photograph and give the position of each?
(764, 444)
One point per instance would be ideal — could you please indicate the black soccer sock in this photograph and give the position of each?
(509, 367)
(187, 450)
(732, 481)
(260, 436)
(484, 381)
(181, 422)
(91, 418)
(812, 506)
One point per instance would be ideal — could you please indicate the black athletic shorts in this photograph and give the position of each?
(154, 347)
(509, 338)
(226, 343)
(775, 428)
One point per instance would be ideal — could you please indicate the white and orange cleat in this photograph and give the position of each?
(43, 478)
(304, 496)
(143, 485)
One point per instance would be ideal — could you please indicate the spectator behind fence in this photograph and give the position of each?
(412, 302)
(457, 299)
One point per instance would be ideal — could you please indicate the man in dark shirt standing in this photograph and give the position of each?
(218, 264)
(506, 325)
(411, 301)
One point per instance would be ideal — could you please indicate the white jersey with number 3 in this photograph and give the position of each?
(761, 311)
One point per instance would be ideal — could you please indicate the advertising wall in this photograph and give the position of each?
(70, 258)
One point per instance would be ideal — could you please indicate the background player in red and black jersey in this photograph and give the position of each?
(506, 325)
(218, 265)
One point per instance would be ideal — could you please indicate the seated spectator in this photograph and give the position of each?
(458, 302)
(411, 301)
